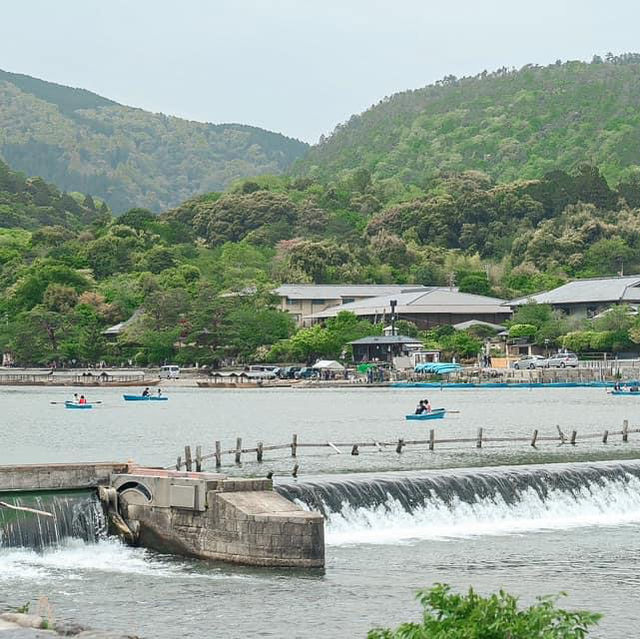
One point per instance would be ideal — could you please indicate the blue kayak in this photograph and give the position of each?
(436, 413)
(77, 406)
(626, 392)
(142, 398)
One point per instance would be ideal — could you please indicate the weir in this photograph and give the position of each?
(206, 515)
(500, 500)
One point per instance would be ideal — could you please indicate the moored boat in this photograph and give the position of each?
(436, 413)
(626, 392)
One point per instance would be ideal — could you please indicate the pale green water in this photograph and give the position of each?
(587, 545)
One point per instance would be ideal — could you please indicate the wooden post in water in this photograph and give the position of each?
(534, 438)
(187, 457)
(294, 445)
(574, 434)
(354, 450)
(238, 449)
(218, 454)
(625, 431)
(294, 472)
(432, 439)
(399, 446)
(479, 441)
(605, 436)
(198, 459)
(562, 437)
(179, 463)
(259, 452)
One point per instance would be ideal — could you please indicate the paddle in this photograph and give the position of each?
(70, 402)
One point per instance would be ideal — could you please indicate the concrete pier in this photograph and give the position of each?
(215, 517)
(206, 515)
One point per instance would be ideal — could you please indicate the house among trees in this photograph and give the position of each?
(588, 297)
(426, 307)
(303, 300)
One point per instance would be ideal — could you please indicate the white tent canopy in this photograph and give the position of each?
(328, 365)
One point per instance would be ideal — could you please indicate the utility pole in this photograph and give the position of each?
(393, 304)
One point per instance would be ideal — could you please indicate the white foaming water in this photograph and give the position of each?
(608, 504)
(75, 558)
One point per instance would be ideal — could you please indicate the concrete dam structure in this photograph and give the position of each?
(206, 515)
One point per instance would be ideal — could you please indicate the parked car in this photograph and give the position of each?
(288, 372)
(306, 373)
(530, 361)
(562, 360)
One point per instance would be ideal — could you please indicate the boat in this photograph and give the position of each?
(143, 398)
(625, 392)
(77, 406)
(436, 413)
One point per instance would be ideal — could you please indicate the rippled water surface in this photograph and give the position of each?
(582, 539)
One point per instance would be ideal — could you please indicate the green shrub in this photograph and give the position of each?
(448, 615)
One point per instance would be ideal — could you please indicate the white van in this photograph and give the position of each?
(170, 372)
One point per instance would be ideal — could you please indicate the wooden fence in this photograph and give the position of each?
(191, 462)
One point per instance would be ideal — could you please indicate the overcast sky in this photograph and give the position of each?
(297, 67)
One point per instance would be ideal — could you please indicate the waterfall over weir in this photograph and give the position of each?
(76, 514)
(391, 507)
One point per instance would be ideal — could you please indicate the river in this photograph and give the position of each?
(395, 523)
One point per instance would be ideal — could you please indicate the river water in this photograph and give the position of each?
(395, 523)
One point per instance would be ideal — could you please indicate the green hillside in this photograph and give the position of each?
(31, 203)
(510, 124)
(129, 157)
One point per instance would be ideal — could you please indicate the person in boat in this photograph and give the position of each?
(423, 407)
(159, 392)
(82, 400)
(634, 388)
(145, 392)
(617, 387)
(76, 399)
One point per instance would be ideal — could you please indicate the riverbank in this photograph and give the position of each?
(21, 625)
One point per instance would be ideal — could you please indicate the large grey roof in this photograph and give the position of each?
(336, 291)
(387, 339)
(421, 301)
(601, 289)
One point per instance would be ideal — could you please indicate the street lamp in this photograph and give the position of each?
(393, 304)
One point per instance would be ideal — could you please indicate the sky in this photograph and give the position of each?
(296, 67)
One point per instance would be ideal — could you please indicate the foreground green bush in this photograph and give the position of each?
(448, 615)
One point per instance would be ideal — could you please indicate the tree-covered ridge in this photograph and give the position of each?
(508, 239)
(127, 156)
(510, 124)
(30, 203)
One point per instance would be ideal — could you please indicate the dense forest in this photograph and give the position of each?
(197, 279)
(510, 124)
(126, 156)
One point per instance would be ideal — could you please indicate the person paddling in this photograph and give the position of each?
(159, 392)
(76, 399)
(145, 392)
(82, 400)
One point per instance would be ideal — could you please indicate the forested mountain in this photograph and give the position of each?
(129, 157)
(510, 124)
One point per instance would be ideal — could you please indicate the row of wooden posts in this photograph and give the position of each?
(191, 462)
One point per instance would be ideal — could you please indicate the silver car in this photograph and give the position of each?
(562, 360)
(530, 361)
